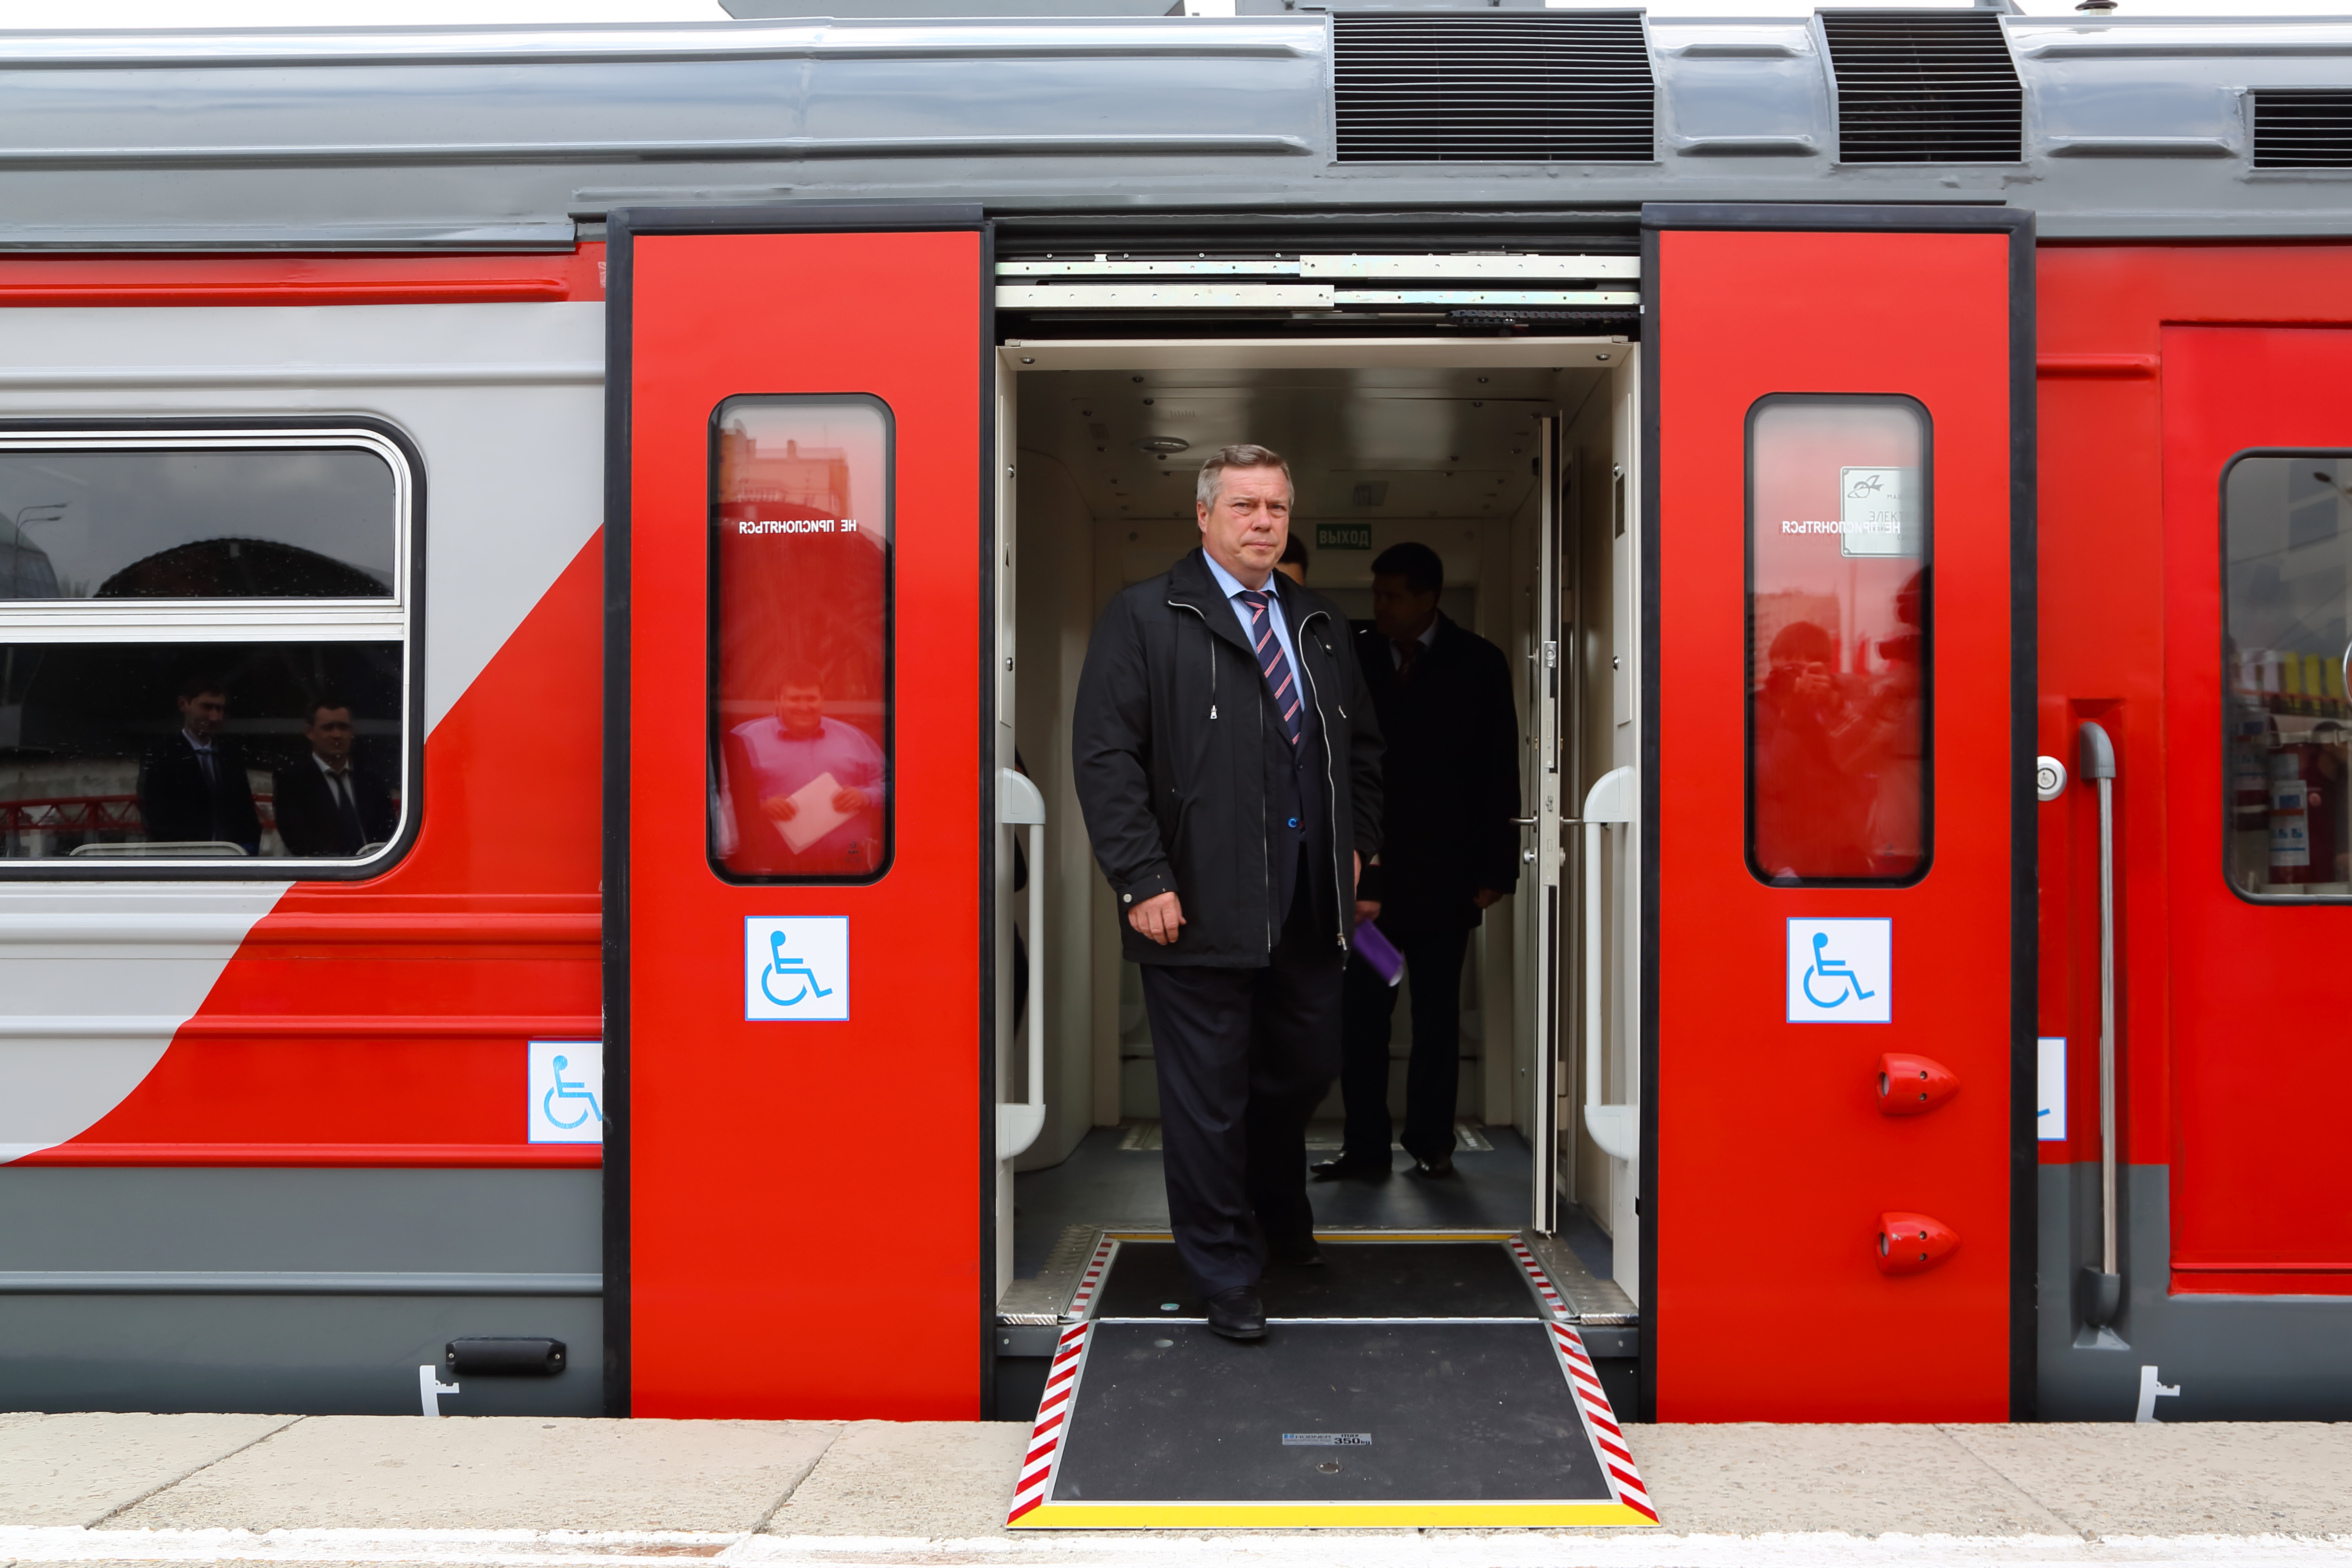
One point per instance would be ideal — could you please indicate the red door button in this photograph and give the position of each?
(1910, 1086)
(1914, 1243)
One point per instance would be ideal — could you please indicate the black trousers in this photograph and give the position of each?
(1434, 960)
(1244, 1055)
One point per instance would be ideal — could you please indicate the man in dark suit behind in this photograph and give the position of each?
(193, 787)
(326, 806)
(1450, 779)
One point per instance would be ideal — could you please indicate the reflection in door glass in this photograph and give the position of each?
(800, 561)
(2286, 552)
(1837, 675)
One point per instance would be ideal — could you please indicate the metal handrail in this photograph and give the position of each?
(2097, 763)
(1020, 804)
(1611, 800)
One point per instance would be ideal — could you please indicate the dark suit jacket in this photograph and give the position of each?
(1450, 778)
(307, 820)
(177, 805)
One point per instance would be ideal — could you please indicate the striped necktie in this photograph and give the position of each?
(1275, 664)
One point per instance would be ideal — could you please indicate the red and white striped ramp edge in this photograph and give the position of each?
(1600, 1421)
(1044, 1455)
(1526, 1259)
(1083, 1300)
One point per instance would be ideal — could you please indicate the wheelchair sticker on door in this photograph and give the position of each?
(564, 1091)
(796, 968)
(1840, 972)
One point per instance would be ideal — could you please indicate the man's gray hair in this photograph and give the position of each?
(1213, 472)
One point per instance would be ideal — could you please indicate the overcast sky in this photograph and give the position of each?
(85, 14)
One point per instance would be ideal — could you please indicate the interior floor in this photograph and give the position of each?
(1115, 1188)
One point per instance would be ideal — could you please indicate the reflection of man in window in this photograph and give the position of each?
(193, 787)
(326, 806)
(1813, 808)
(807, 789)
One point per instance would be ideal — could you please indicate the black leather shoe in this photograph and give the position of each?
(1237, 1314)
(1441, 1166)
(1301, 1254)
(1348, 1169)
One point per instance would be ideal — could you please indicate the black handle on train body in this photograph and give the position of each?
(504, 1356)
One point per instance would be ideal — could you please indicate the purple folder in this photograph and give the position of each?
(1379, 951)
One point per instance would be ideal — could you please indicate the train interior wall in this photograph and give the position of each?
(1381, 455)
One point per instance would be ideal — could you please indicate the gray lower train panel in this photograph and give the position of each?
(2231, 1358)
(295, 1292)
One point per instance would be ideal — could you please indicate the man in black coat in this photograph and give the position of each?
(1448, 852)
(1228, 766)
(192, 788)
(326, 806)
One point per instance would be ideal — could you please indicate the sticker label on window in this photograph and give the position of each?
(1879, 515)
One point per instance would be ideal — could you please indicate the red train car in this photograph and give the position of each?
(535, 671)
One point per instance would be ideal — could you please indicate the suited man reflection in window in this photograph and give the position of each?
(193, 787)
(327, 805)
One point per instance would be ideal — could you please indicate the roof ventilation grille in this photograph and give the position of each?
(2302, 128)
(1517, 86)
(1921, 87)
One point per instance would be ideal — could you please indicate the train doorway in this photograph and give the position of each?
(837, 884)
(1515, 461)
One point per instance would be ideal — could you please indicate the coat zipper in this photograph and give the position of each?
(1213, 654)
(1330, 790)
(1265, 869)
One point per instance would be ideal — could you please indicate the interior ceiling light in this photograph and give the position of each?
(1163, 444)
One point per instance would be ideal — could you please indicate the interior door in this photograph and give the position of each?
(1837, 797)
(800, 808)
(1544, 786)
(2258, 545)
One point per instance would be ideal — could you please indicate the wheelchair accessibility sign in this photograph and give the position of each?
(796, 968)
(1840, 972)
(565, 1083)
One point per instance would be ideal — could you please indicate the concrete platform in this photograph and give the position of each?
(386, 1489)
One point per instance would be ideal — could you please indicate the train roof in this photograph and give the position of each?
(514, 137)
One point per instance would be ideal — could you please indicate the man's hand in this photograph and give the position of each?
(1486, 898)
(781, 807)
(1158, 918)
(1366, 909)
(1357, 879)
(848, 802)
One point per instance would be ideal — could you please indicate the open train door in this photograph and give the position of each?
(1837, 1200)
(797, 810)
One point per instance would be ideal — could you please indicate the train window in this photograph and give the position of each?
(2286, 552)
(1840, 536)
(800, 739)
(198, 521)
(204, 649)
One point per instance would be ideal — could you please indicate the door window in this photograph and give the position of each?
(2286, 550)
(1838, 674)
(801, 597)
(203, 647)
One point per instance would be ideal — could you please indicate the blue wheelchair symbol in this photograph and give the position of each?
(563, 1090)
(780, 967)
(1828, 969)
